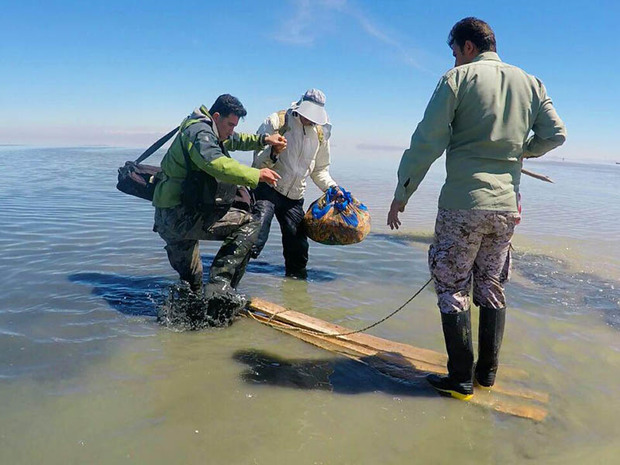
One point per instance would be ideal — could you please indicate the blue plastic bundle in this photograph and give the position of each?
(337, 218)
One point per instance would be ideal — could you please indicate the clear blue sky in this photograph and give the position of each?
(123, 73)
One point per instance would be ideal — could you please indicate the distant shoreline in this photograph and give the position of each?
(342, 155)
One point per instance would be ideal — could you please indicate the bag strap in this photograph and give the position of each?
(187, 160)
(188, 167)
(283, 120)
(320, 134)
(187, 122)
(155, 147)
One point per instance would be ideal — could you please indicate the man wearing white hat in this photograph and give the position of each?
(307, 130)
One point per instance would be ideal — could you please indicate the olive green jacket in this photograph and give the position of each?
(198, 135)
(481, 114)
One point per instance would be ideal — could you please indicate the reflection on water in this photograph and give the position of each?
(87, 371)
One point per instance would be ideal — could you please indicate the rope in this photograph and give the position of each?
(270, 321)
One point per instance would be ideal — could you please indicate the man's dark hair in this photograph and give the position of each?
(475, 30)
(226, 104)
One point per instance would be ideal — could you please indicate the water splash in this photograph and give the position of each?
(182, 310)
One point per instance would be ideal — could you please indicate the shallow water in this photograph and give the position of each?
(87, 376)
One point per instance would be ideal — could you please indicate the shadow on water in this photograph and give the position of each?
(339, 375)
(141, 295)
(264, 267)
(131, 295)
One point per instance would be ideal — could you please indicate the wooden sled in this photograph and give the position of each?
(397, 359)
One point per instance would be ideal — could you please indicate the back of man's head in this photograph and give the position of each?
(474, 30)
(226, 105)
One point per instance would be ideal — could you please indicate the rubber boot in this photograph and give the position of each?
(223, 303)
(195, 284)
(265, 210)
(490, 335)
(301, 274)
(231, 260)
(457, 334)
(185, 259)
(239, 272)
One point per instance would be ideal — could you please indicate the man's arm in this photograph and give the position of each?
(320, 174)
(549, 129)
(266, 157)
(244, 142)
(428, 142)
(206, 153)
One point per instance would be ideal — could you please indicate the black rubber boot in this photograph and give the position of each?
(222, 302)
(265, 211)
(222, 309)
(457, 334)
(231, 260)
(195, 284)
(239, 272)
(183, 309)
(490, 335)
(301, 274)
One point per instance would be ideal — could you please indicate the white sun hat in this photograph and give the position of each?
(312, 107)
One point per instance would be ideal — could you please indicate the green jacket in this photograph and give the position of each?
(481, 114)
(207, 154)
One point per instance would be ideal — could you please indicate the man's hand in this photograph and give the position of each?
(268, 176)
(395, 208)
(277, 141)
(339, 194)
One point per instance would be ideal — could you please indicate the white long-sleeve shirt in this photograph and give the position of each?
(304, 156)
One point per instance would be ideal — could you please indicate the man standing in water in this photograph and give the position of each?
(306, 127)
(210, 208)
(481, 113)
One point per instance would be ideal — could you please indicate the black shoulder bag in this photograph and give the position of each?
(139, 180)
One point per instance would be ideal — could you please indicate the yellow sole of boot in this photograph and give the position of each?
(455, 394)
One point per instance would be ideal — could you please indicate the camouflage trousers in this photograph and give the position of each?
(182, 229)
(471, 247)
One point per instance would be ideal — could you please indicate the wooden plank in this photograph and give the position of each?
(421, 359)
(395, 359)
(342, 346)
(352, 349)
(415, 354)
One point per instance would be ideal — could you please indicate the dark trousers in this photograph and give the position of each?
(182, 229)
(290, 214)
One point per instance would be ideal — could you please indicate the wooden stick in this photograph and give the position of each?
(542, 177)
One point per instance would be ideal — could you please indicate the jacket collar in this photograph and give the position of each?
(490, 56)
(203, 114)
(204, 111)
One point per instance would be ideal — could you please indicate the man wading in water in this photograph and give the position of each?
(198, 198)
(481, 113)
(307, 130)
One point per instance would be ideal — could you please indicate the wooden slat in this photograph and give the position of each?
(396, 359)
(414, 354)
